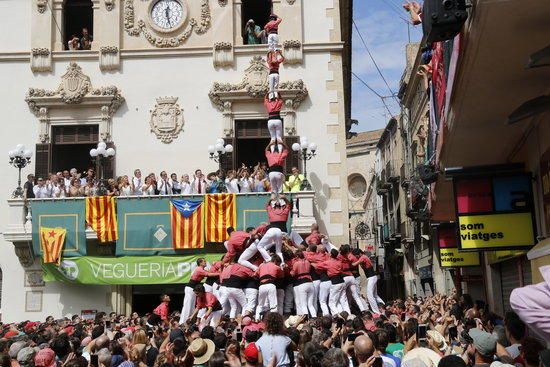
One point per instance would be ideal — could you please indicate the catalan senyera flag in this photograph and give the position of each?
(51, 243)
(221, 212)
(187, 224)
(101, 216)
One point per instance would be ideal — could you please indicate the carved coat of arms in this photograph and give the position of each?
(74, 84)
(167, 119)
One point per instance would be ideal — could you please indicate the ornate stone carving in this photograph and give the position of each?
(421, 135)
(291, 2)
(167, 119)
(74, 87)
(222, 2)
(41, 59)
(109, 58)
(293, 51)
(41, 5)
(34, 278)
(24, 254)
(44, 119)
(109, 5)
(254, 85)
(223, 54)
(135, 29)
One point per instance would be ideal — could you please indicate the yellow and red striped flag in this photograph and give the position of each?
(221, 212)
(101, 216)
(51, 243)
(187, 224)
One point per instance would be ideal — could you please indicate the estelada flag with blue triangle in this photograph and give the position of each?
(187, 224)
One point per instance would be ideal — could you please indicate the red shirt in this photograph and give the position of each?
(276, 158)
(314, 238)
(346, 264)
(273, 26)
(301, 269)
(270, 269)
(162, 310)
(242, 271)
(277, 214)
(226, 273)
(199, 274)
(236, 244)
(365, 261)
(273, 105)
(274, 59)
(332, 266)
(206, 301)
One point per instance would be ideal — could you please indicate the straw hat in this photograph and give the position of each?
(202, 350)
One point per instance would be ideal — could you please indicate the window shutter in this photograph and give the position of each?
(227, 162)
(42, 160)
(292, 160)
(109, 166)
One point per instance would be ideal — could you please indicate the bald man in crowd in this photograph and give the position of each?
(364, 349)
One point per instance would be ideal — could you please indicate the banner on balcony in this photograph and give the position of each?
(187, 224)
(51, 242)
(101, 216)
(494, 212)
(221, 212)
(127, 270)
(66, 214)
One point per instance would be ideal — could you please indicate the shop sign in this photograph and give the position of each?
(452, 258)
(126, 270)
(495, 213)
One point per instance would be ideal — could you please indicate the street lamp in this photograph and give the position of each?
(19, 158)
(217, 150)
(100, 155)
(306, 152)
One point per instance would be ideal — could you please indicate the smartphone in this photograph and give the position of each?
(453, 332)
(378, 362)
(239, 336)
(107, 324)
(94, 362)
(353, 336)
(421, 331)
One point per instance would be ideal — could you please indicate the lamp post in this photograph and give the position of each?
(19, 158)
(216, 153)
(100, 155)
(305, 151)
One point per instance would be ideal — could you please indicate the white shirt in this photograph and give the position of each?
(67, 182)
(244, 184)
(175, 185)
(164, 187)
(195, 186)
(185, 188)
(41, 192)
(138, 184)
(148, 191)
(125, 190)
(232, 186)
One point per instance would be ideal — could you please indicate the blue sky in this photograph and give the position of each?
(385, 33)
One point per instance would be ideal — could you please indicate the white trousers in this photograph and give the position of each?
(222, 298)
(350, 284)
(324, 291)
(276, 179)
(275, 127)
(251, 295)
(295, 238)
(372, 294)
(267, 295)
(303, 295)
(337, 300)
(236, 299)
(273, 236)
(273, 82)
(248, 254)
(316, 285)
(358, 285)
(272, 41)
(189, 300)
(213, 319)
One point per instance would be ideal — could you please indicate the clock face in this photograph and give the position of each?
(167, 14)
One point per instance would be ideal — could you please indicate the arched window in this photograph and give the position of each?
(78, 24)
(257, 11)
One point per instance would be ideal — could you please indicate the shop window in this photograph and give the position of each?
(258, 11)
(78, 23)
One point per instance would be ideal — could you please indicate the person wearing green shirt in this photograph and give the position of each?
(253, 33)
(294, 181)
(394, 348)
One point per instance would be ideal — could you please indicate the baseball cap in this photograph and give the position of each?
(251, 353)
(485, 343)
(45, 358)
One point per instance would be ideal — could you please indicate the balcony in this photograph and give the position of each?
(144, 224)
(382, 186)
(392, 174)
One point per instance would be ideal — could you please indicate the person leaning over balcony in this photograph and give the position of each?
(74, 43)
(86, 40)
(294, 182)
(137, 183)
(40, 190)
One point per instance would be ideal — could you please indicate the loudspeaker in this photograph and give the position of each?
(443, 19)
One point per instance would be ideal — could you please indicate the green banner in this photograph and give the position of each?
(68, 214)
(251, 210)
(127, 270)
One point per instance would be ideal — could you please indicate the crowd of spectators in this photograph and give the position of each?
(436, 331)
(71, 183)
